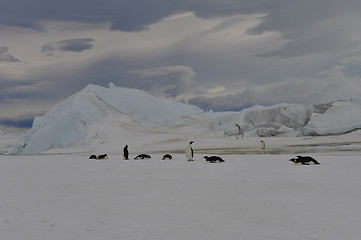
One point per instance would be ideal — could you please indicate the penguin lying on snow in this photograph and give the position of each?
(103, 157)
(142, 156)
(213, 159)
(304, 160)
(93, 157)
(167, 157)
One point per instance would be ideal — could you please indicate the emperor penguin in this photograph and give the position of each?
(126, 152)
(189, 151)
(213, 159)
(304, 160)
(263, 145)
(103, 157)
(167, 157)
(142, 156)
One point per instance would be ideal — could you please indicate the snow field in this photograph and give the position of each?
(247, 197)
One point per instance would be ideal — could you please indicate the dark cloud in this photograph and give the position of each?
(25, 122)
(310, 27)
(295, 20)
(305, 91)
(7, 93)
(167, 81)
(4, 57)
(68, 45)
(233, 102)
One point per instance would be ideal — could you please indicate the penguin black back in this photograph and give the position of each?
(143, 156)
(304, 160)
(213, 159)
(167, 157)
(103, 156)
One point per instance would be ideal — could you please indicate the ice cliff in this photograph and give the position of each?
(333, 118)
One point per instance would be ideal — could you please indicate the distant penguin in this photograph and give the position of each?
(142, 156)
(126, 152)
(93, 157)
(263, 145)
(213, 159)
(304, 160)
(167, 157)
(103, 157)
(189, 151)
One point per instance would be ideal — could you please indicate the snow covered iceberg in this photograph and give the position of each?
(104, 119)
(66, 123)
(292, 120)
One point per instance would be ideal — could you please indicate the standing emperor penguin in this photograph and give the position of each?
(263, 145)
(189, 151)
(126, 152)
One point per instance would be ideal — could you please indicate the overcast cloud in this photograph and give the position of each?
(68, 45)
(220, 55)
(4, 57)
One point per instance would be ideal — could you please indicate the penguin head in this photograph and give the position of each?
(206, 157)
(191, 142)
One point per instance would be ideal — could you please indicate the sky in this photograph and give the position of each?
(220, 55)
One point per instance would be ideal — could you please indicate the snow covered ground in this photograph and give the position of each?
(250, 196)
(256, 194)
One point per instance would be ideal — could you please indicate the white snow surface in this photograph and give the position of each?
(95, 118)
(255, 194)
(67, 196)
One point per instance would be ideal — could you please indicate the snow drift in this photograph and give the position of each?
(97, 116)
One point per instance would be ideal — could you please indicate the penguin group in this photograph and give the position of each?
(189, 155)
(100, 157)
(298, 160)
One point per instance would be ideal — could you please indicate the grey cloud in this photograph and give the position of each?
(311, 26)
(305, 46)
(169, 81)
(4, 57)
(68, 45)
(20, 90)
(306, 91)
(293, 19)
(24, 121)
